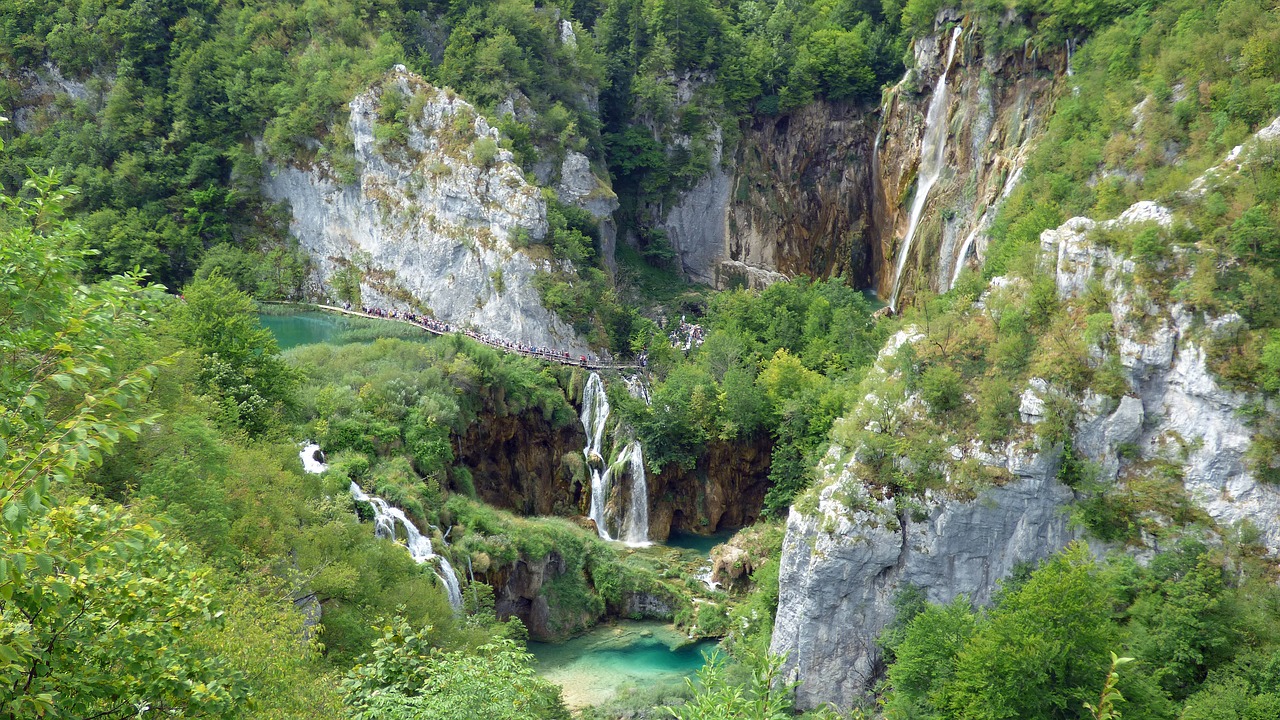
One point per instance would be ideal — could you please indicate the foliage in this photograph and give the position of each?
(1040, 652)
(779, 359)
(241, 365)
(96, 605)
(765, 697)
(404, 677)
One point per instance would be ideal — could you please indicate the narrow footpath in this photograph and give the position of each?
(437, 328)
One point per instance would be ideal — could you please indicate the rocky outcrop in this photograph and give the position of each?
(844, 561)
(854, 545)
(519, 591)
(430, 218)
(1185, 418)
(725, 489)
(579, 186)
(997, 101)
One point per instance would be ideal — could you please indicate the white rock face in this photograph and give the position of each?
(428, 225)
(841, 569)
(581, 187)
(696, 226)
(842, 566)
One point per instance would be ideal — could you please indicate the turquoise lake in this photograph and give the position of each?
(302, 328)
(593, 667)
(700, 544)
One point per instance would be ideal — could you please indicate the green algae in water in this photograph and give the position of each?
(592, 668)
(700, 544)
(302, 328)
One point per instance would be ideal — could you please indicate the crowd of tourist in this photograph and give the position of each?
(687, 335)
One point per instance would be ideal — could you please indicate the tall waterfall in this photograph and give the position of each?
(386, 518)
(635, 530)
(932, 150)
(595, 414)
(635, 517)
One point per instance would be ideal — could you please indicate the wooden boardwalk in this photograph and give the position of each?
(560, 358)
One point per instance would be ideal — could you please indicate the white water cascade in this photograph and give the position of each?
(635, 518)
(595, 414)
(386, 518)
(635, 529)
(932, 150)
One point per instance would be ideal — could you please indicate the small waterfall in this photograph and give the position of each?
(595, 415)
(932, 150)
(983, 221)
(312, 459)
(964, 249)
(1070, 51)
(386, 519)
(635, 517)
(635, 531)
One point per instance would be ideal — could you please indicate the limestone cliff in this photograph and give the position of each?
(996, 102)
(852, 545)
(429, 218)
(825, 190)
(790, 197)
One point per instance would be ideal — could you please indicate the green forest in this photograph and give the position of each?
(163, 552)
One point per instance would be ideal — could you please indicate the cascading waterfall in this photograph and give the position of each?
(635, 531)
(386, 519)
(595, 414)
(932, 150)
(635, 517)
(983, 222)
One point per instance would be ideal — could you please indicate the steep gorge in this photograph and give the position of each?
(825, 190)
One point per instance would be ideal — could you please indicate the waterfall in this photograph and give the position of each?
(635, 531)
(982, 223)
(964, 249)
(932, 150)
(635, 517)
(386, 519)
(312, 459)
(595, 414)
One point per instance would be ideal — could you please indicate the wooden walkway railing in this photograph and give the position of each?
(561, 358)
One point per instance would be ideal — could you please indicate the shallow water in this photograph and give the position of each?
(591, 668)
(301, 328)
(700, 544)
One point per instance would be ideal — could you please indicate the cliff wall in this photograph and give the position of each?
(853, 544)
(427, 222)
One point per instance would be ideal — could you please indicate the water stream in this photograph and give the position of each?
(634, 528)
(932, 150)
(391, 523)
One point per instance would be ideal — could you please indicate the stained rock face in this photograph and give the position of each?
(997, 102)
(844, 561)
(429, 218)
(824, 190)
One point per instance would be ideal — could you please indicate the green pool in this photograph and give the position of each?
(700, 544)
(302, 328)
(592, 668)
